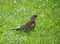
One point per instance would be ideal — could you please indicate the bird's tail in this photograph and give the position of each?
(14, 29)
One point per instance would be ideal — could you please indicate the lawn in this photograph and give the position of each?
(14, 13)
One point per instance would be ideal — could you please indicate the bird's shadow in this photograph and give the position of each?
(27, 33)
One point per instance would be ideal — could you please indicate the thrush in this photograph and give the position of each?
(27, 26)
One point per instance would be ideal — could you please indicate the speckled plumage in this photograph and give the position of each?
(27, 26)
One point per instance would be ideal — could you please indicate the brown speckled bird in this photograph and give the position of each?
(27, 26)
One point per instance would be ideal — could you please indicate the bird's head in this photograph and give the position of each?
(33, 17)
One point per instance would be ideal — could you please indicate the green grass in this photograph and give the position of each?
(15, 13)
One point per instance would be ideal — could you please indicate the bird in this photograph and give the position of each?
(28, 26)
